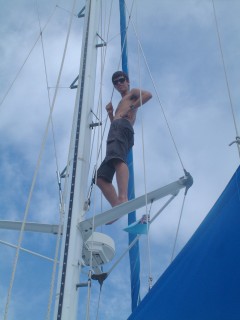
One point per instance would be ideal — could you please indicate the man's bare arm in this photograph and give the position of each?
(109, 108)
(139, 97)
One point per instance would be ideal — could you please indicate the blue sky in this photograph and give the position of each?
(180, 43)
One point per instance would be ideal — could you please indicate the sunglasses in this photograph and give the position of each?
(120, 80)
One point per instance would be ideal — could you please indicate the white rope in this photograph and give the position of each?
(226, 77)
(35, 175)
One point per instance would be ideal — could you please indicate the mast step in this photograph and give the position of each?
(82, 285)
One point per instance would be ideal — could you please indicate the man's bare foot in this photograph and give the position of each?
(119, 202)
(107, 224)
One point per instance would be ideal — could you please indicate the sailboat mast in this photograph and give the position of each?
(134, 252)
(78, 162)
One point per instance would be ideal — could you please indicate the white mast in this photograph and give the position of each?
(78, 161)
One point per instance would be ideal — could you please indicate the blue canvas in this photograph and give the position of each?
(203, 282)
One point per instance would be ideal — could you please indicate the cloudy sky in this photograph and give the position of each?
(185, 74)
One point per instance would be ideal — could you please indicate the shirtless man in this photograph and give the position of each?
(120, 139)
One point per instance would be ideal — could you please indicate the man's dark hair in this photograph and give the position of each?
(118, 74)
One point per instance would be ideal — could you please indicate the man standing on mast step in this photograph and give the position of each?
(120, 139)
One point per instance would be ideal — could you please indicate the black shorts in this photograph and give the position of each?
(120, 140)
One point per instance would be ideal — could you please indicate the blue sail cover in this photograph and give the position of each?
(203, 282)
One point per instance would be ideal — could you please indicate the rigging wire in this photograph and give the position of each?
(36, 173)
(61, 202)
(178, 227)
(226, 77)
(68, 11)
(144, 172)
(158, 97)
(61, 207)
(24, 62)
(27, 251)
(47, 85)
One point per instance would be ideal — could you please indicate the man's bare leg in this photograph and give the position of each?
(122, 183)
(122, 175)
(108, 191)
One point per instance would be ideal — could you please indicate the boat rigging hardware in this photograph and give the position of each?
(103, 44)
(100, 277)
(82, 285)
(85, 284)
(81, 13)
(87, 204)
(237, 141)
(150, 283)
(187, 180)
(63, 173)
(72, 85)
(95, 124)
